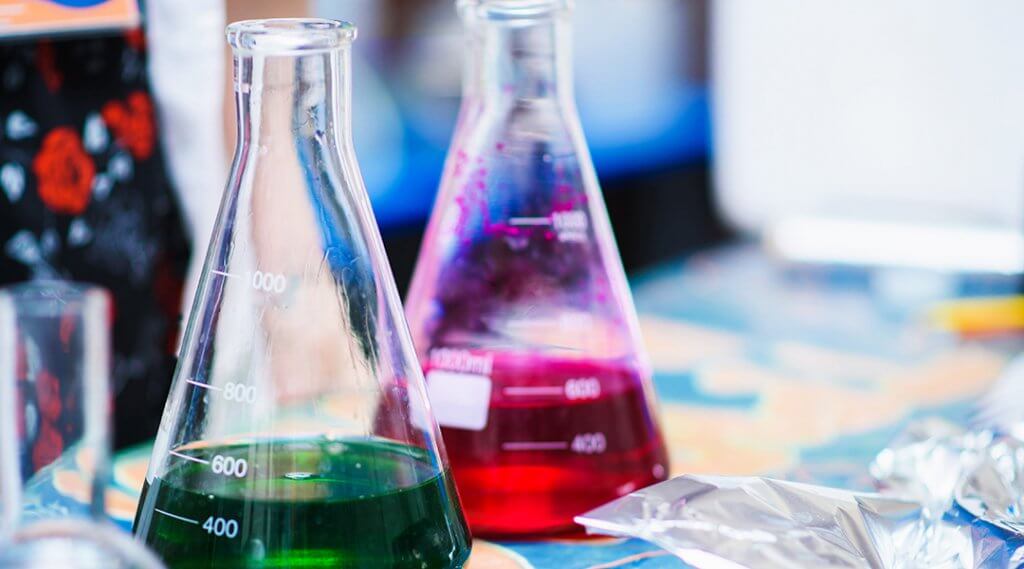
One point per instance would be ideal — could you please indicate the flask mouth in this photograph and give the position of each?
(289, 36)
(513, 10)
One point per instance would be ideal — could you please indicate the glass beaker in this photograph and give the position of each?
(519, 306)
(55, 430)
(297, 431)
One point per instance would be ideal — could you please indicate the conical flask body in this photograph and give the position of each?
(297, 431)
(519, 306)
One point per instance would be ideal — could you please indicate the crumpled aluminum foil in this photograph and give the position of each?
(716, 522)
(935, 462)
(927, 462)
(993, 490)
(747, 523)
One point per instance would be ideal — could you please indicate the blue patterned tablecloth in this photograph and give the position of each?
(767, 368)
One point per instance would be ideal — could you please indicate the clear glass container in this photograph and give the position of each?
(297, 431)
(55, 430)
(519, 306)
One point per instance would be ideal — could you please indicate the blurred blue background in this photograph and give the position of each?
(640, 88)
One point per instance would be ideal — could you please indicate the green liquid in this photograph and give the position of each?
(305, 503)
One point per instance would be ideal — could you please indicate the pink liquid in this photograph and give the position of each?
(562, 436)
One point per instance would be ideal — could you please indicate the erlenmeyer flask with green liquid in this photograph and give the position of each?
(297, 432)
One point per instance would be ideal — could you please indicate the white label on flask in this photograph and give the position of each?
(459, 400)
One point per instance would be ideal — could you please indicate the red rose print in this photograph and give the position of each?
(168, 287)
(48, 395)
(21, 362)
(136, 39)
(64, 172)
(112, 313)
(20, 406)
(132, 123)
(67, 326)
(48, 445)
(47, 65)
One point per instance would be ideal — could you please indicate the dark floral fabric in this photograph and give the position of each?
(85, 196)
(49, 350)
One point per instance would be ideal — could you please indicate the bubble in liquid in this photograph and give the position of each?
(298, 475)
(335, 448)
(257, 550)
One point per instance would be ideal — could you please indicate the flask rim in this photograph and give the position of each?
(289, 36)
(514, 10)
(51, 297)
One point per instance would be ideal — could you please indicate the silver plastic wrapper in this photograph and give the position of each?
(716, 522)
(994, 489)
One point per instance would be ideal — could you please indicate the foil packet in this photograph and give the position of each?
(993, 490)
(927, 462)
(948, 498)
(714, 522)
(938, 464)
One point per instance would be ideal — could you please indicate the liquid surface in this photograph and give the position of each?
(304, 503)
(562, 437)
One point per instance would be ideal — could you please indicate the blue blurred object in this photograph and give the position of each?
(641, 110)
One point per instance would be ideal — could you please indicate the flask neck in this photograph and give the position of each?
(519, 59)
(281, 98)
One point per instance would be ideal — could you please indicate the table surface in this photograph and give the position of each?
(766, 368)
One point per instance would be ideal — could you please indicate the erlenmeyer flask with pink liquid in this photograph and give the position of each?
(519, 306)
